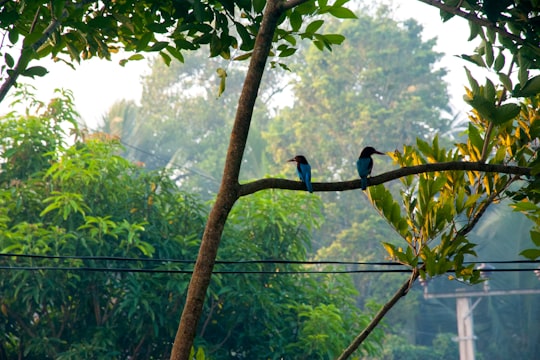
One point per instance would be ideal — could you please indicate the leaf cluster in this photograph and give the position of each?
(74, 31)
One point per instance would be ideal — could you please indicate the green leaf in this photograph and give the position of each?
(158, 46)
(489, 90)
(474, 137)
(287, 52)
(296, 20)
(506, 81)
(489, 54)
(523, 75)
(491, 34)
(136, 57)
(13, 36)
(258, 5)
(166, 58)
(475, 88)
(199, 10)
(35, 71)
(215, 45)
(474, 30)
(222, 74)
(30, 39)
(525, 206)
(9, 60)
(532, 254)
(424, 147)
(483, 106)
(175, 53)
(529, 89)
(506, 113)
(342, 13)
(243, 56)
(535, 237)
(499, 62)
(247, 40)
(475, 59)
(334, 38)
(314, 26)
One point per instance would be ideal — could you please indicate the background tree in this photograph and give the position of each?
(183, 124)
(363, 94)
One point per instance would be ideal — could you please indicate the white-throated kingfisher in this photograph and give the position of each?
(364, 164)
(304, 170)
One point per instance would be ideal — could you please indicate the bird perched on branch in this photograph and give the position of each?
(304, 170)
(364, 164)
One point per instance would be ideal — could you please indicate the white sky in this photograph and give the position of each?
(97, 84)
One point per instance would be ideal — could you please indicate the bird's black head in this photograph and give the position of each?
(301, 159)
(368, 151)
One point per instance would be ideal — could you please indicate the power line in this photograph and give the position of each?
(276, 272)
(233, 262)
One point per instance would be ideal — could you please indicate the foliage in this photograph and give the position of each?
(396, 347)
(181, 124)
(362, 95)
(75, 31)
(77, 224)
(267, 310)
(83, 202)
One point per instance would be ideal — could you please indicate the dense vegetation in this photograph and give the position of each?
(82, 217)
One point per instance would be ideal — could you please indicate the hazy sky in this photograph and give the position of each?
(97, 84)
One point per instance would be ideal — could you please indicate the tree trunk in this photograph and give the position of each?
(229, 189)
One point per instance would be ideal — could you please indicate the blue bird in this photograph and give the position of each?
(304, 171)
(364, 164)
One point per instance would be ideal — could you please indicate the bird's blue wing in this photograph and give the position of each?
(364, 166)
(304, 172)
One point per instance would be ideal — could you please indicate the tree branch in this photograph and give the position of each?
(274, 183)
(378, 317)
(28, 52)
(472, 17)
(292, 3)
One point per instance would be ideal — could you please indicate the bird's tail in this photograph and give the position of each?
(309, 186)
(363, 182)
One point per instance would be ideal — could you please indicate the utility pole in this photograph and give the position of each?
(464, 314)
(465, 308)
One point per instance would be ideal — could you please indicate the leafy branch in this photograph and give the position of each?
(27, 52)
(474, 18)
(415, 273)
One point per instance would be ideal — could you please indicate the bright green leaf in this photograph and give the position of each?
(314, 26)
(342, 13)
